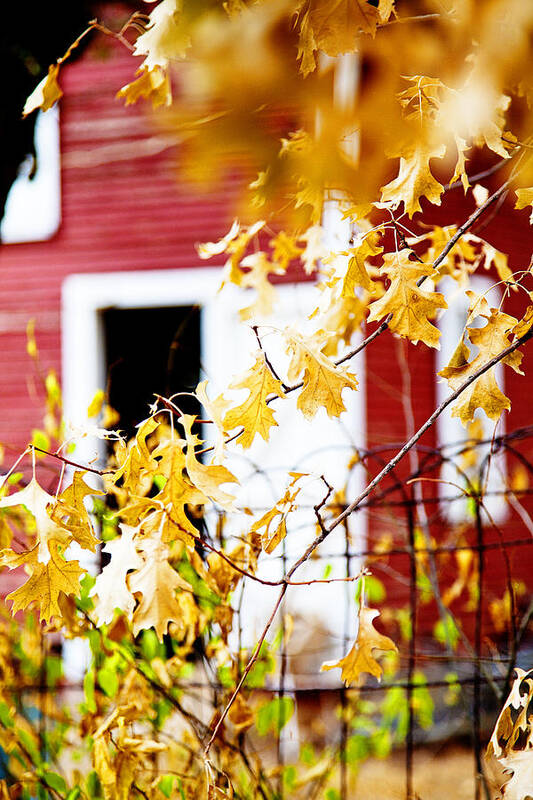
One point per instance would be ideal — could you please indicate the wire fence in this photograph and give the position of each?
(457, 602)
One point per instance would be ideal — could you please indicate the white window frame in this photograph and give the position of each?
(225, 351)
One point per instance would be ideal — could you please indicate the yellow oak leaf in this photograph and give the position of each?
(110, 586)
(210, 249)
(38, 502)
(525, 324)
(70, 511)
(222, 578)
(236, 247)
(460, 171)
(497, 259)
(410, 305)
(46, 583)
(315, 248)
(241, 715)
(458, 261)
(139, 465)
(166, 37)
(45, 94)
(259, 268)
(333, 26)
(361, 658)
(206, 477)
(215, 412)
(274, 522)
(254, 414)
(157, 582)
(524, 197)
(356, 274)
(415, 179)
(323, 381)
(178, 491)
(104, 767)
(152, 84)
(422, 98)
(484, 392)
(284, 249)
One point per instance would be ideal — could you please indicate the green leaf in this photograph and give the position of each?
(151, 647)
(55, 781)
(274, 715)
(29, 745)
(374, 590)
(108, 681)
(165, 785)
(54, 670)
(5, 716)
(446, 631)
(40, 439)
(88, 688)
(74, 793)
(93, 785)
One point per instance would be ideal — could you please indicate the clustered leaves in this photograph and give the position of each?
(381, 124)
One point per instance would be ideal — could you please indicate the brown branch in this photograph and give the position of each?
(247, 669)
(72, 463)
(263, 581)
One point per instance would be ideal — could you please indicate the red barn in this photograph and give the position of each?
(121, 274)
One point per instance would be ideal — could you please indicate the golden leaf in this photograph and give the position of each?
(460, 172)
(221, 575)
(104, 767)
(210, 249)
(525, 198)
(284, 250)
(207, 478)
(46, 582)
(241, 715)
(37, 501)
(166, 37)
(498, 260)
(333, 26)
(323, 381)
(157, 582)
(361, 657)
(254, 413)
(215, 411)
(524, 325)
(315, 249)
(71, 513)
(484, 391)
(274, 521)
(45, 94)
(152, 84)
(259, 268)
(415, 179)
(422, 98)
(139, 466)
(357, 274)
(410, 305)
(178, 491)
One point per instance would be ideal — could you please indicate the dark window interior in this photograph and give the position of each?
(150, 350)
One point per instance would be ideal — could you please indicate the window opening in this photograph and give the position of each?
(147, 351)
